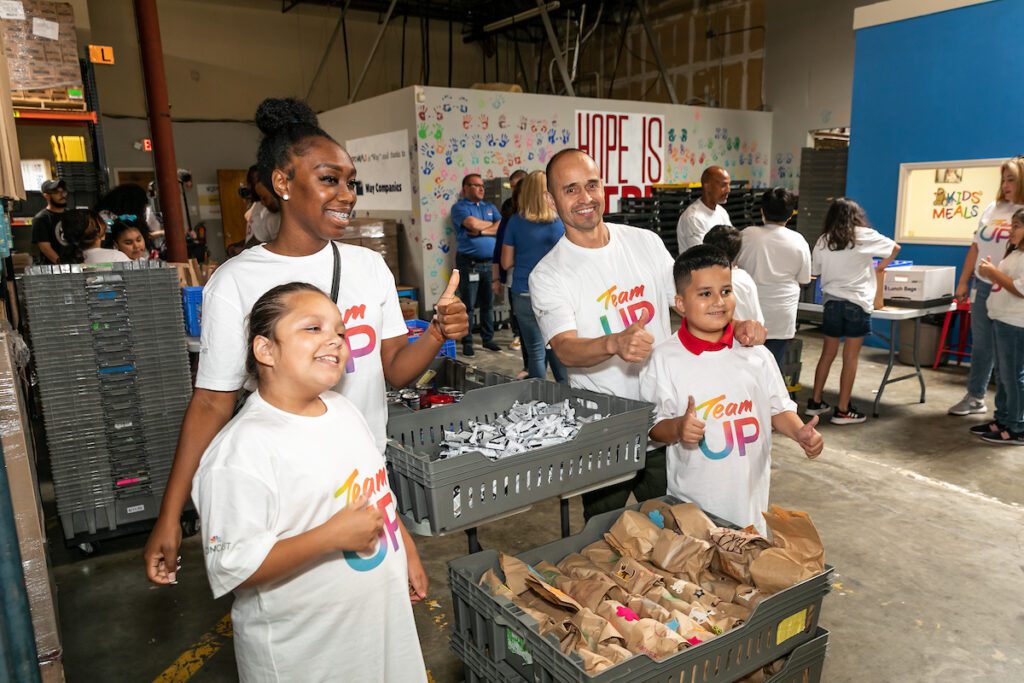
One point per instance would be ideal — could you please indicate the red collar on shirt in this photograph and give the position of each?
(698, 346)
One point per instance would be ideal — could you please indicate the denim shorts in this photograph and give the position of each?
(845, 319)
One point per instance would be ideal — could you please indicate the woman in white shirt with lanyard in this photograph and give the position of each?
(314, 179)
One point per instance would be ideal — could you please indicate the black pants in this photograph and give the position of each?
(650, 482)
(473, 292)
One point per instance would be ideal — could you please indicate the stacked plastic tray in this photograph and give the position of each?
(438, 496)
(498, 641)
(114, 381)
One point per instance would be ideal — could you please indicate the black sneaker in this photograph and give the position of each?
(1004, 437)
(984, 428)
(816, 407)
(850, 416)
(491, 346)
(467, 350)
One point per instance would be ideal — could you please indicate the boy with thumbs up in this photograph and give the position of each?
(717, 402)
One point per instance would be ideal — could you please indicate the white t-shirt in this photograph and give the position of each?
(737, 391)
(779, 261)
(102, 255)
(748, 307)
(271, 475)
(695, 222)
(261, 224)
(850, 273)
(1006, 306)
(600, 291)
(993, 233)
(367, 299)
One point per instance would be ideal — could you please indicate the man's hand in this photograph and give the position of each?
(691, 427)
(810, 440)
(496, 286)
(750, 333)
(633, 344)
(450, 313)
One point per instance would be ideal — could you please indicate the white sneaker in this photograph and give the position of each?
(969, 405)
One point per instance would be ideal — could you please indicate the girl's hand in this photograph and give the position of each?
(810, 440)
(417, 576)
(356, 527)
(985, 268)
(450, 313)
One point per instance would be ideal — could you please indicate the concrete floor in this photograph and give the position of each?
(923, 522)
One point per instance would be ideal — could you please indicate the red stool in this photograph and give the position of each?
(963, 314)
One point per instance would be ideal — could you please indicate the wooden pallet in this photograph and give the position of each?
(48, 105)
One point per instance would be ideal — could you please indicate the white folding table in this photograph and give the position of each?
(894, 315)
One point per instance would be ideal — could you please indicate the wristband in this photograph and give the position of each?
(435, 330)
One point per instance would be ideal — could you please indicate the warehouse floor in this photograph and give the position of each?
(924, 524)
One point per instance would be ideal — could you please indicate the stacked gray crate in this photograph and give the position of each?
(114, 381)
(822, 179)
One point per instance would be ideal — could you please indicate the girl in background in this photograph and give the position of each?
(304, 532)
(1006, 309)
(843, 259)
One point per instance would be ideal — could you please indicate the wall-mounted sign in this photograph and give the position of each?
(940, 202)
(101, 54)
(628, 146)
(382, 167)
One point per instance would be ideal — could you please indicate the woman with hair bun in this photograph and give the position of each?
(313, 179)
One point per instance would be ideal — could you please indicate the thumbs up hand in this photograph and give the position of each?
(691, 427)
(809, 439)
(633, 344)
(450, 317)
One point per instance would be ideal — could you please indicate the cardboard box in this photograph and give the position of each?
(19, 458)
(919, 285)
(379, 235)
(37, 62)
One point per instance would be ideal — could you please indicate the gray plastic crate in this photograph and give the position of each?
(457, 375)
(441, 496)
(506, 634)
(804, 665)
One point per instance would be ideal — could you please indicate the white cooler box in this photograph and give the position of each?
(919, 286)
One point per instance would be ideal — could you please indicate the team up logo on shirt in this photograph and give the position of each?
(371, 486)
(628, 303)
(997, 231)
(743, 429)
(361, 339)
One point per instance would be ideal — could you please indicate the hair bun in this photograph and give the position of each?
(275, 114)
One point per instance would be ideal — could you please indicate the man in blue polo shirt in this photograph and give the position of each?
(475, 222)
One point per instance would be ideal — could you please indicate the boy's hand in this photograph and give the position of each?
(418, 581)
(450, 313)
(633, 344)
(356, 527)
(809, 439)
(749, 332)
(691, 427)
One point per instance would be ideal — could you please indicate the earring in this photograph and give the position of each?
(284, 197)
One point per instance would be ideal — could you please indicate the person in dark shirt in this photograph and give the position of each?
(47, 234)
(476, 223)
(499, 276)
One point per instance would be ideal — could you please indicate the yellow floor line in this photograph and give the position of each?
(192, 659)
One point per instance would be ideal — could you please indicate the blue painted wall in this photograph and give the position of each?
(939, 87)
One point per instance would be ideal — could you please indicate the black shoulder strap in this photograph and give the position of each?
(336, 282)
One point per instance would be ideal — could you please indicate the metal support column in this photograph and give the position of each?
(152, 52)
(553, 39)
(657, 53)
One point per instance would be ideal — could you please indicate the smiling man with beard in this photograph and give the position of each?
(603, 297)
